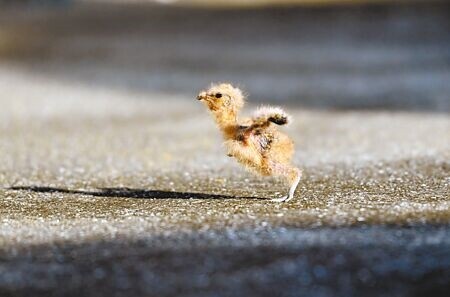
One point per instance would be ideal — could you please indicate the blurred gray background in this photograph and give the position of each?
(388, 55)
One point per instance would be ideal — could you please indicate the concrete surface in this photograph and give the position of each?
(110, 194)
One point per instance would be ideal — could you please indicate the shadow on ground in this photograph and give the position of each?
(130, 193)
(362, 261)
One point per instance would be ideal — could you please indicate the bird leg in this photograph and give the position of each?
(294, 177)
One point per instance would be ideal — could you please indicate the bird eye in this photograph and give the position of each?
(218, 95)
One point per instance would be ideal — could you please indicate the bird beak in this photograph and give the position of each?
(201, 96)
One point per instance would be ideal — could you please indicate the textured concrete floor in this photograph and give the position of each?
(114, 193)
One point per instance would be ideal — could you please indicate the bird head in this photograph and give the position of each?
(222, 97)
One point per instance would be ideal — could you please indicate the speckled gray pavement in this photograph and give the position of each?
(109, 190)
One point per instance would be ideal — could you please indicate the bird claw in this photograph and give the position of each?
(281, 199)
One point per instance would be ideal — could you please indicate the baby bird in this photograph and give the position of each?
(256, 143)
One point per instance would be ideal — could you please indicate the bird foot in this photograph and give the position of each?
(281, 199)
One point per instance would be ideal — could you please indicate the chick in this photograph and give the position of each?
(255, 143)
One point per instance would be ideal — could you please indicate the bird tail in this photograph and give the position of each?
(264, 115)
